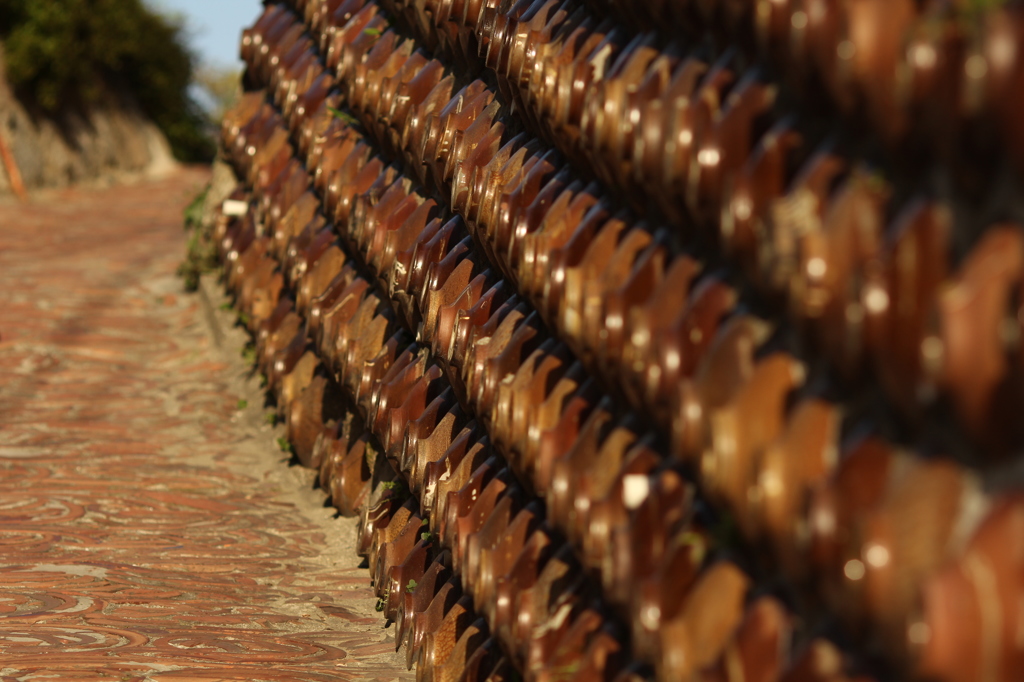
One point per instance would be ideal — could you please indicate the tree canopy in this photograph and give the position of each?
(65, 53)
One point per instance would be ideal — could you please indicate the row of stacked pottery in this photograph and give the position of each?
(650, 341)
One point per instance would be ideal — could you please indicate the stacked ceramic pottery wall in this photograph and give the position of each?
(626, 373)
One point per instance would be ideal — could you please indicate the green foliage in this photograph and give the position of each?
(397, 487)
(411, 586)
(242, 404)
(283, 443)
(344, 116)
(194, 211)
(249, 353)
(222, 85)
(698, 544)
(64, 53)
(270, 418)
(200, 251)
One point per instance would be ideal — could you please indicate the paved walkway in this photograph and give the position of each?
(149, 527)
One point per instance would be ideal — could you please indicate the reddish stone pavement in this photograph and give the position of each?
(149, 527)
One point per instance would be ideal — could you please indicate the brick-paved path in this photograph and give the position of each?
(148, 529)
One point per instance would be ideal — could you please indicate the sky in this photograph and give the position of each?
(214, 27)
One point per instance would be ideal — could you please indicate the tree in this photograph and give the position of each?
(222, 85)
(64, 54)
